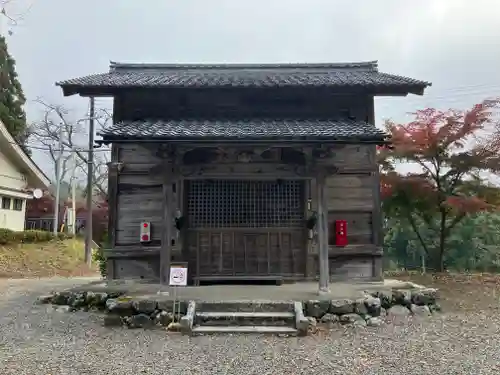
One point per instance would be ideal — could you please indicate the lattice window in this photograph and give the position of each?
(245, 204)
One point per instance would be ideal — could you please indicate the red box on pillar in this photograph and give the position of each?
(340, 233)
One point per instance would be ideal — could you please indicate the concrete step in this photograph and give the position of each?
(245, 306)
(244, 329)
(243, 318)
(240, 314)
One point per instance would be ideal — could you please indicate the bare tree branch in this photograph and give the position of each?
(46, 133)
(14, 16)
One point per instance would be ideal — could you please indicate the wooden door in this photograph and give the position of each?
(246, 228)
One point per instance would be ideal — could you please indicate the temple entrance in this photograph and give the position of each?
(245, 229)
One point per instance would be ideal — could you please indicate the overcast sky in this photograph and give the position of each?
(455, 44)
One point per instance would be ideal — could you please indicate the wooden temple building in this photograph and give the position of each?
(244, 172)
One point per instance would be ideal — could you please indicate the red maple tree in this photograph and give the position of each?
(451, 151)
(41, 207)
(44, 207)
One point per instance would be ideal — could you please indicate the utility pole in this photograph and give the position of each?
(58, 179)
(73, 194)
(90, 184)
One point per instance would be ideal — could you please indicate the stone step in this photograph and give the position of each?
(245, 306)
(244, 329)
(239, 318)
(240, 314)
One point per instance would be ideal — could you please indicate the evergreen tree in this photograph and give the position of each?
(12, 97)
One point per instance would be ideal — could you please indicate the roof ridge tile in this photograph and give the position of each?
(116, 66)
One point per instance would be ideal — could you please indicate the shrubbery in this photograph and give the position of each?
(98, 254)
(10, 237)
(99, 257)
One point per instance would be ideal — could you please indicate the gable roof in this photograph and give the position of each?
(34, 175)
(244, 129)
(361, 75)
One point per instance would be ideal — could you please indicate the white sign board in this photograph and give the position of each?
(178, 276)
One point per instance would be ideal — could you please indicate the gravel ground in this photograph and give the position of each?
(36, 340)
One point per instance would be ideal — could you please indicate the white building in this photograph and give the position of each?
(19, 175)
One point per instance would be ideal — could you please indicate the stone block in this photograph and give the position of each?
(144, 306)
(317, 308)
(401, 297)
(398, 310)
(341, 307)
(164, 318)
(77, 300)
(140, 321)
(329, 318)
(350, 318)
(425, 296)
(386, 300)
(360, 307)
(373, 305)
(168, 305)
(45, 299)
(119, 306)
(61, 298)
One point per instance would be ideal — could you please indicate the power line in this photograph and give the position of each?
(65, 149)
(455, 95)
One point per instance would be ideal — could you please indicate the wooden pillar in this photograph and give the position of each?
(307, 259)
(377, 217)
(113, 172)
(377, 228)
(167, 226)
(324, 272)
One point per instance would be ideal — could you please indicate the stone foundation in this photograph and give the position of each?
(373, 307)
(161, 311)
(121, 310)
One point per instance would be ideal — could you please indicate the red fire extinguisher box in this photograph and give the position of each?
(340, 233)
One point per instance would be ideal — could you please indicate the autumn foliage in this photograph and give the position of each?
(44, 208)
(450, 154)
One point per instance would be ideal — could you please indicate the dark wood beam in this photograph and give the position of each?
(324, 272)
(112, 204)
(377, 227)
(167, 224)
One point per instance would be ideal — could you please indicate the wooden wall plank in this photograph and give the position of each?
(137, 153)
(359, 226)
(272, 101)
(352, 157)
(134, 207)
(346, 268)
(139, 268)
(350, 192)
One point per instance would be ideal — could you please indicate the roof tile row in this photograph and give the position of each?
(237, 75)
(243, 129)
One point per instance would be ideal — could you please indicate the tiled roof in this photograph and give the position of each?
(339, 75)
(282, 129)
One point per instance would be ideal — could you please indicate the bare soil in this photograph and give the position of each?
(460, 291)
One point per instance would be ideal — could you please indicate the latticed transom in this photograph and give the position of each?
(245, 204)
